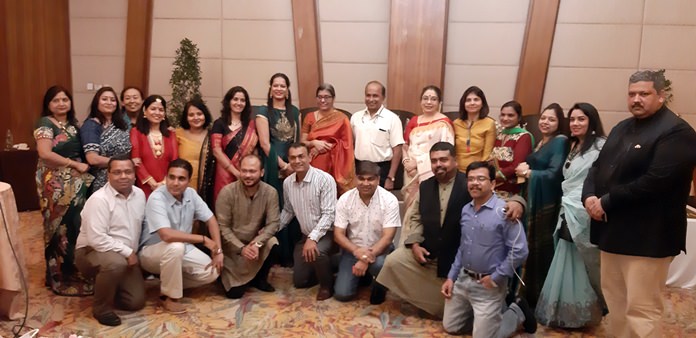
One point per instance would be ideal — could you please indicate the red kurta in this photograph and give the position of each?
(152, 166)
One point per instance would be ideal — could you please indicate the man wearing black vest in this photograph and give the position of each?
(416, 272)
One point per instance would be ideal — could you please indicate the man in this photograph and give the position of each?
(490, 249)
(167, 244)
(366, 221)
(416, 272)
(108, 240)
(636, 194)
(310, 195)
(378, 134)
(248, 213)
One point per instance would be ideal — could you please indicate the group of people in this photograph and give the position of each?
(499, 231)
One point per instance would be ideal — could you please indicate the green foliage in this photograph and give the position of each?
(185, 80)
(668, 87)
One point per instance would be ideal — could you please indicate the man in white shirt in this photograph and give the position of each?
(366, 220)
(378, 134)
(106, 246)
(310, 195)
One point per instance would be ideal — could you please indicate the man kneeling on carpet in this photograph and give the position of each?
(106, 246)
(248, 213)
(490, 249)
(167, 244)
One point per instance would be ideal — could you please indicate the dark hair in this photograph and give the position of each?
(181, 163)
(434, 88)
(482, 164)
(367, 168)
(254, 156)
(440, 146)
(656, 77)
(297, 145)
(328, 87)
(143, 125)
(516, 106)
(384, 90)
(562, 125)
(117, 118)
(484, 103)
(48, 97)
(123, 92)
(594, 129)
(226, 112)
(198, 103)
(288, 98)
(119, 157)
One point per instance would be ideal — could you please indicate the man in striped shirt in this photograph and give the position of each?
(310, 195)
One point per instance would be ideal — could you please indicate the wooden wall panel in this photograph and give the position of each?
(536, 53)
(307, 51)
(36, 55)
(417, 49)
(138, 38)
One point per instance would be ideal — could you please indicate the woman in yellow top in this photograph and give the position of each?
(192, 138)
(474, 131)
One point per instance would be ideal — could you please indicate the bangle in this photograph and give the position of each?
(67, 163)
(404, 160)
(203, 239)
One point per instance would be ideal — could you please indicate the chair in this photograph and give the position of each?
(305, 111)
(404, 116)
(452, 115)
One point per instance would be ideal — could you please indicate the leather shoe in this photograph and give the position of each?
(264, 286)
(108, 319)
(378, 293)
(530, 323)
(173, 307)
(324, 294)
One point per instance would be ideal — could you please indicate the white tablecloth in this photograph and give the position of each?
(682, 271)
(11, 300)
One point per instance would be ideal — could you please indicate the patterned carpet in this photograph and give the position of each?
(286, 313)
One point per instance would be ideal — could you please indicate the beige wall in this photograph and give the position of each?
(599, 44)
(241, 42)
(484, 42)
(97, 48)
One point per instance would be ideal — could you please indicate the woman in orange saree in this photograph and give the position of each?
(328, 135)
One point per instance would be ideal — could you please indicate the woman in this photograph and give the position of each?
(474, 131)
(61, 181)
(104, 134)
(132, 101)
(154, 145)
(511, 147)
(542, 172)
(420, 134)
(192, 140)
(328, 135)
(572, 296)
(233, 136)
(278, 126)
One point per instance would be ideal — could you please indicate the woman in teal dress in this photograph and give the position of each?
(62, 181)
(278, 126)
(572, 295)
(542, 172)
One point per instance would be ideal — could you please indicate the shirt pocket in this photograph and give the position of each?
(380, 136)
(487, 236)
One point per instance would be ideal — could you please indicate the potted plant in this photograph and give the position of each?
(185, 80)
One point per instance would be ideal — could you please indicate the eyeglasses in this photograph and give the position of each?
(324, 97)
(479, 179)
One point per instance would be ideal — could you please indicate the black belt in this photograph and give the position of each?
(475, 275)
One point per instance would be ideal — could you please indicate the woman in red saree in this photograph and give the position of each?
(154, 145)
(233, 136)
(328, 135)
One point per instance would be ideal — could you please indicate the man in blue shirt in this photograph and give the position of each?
(167, 243)
(490, 249)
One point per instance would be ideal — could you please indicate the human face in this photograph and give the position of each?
(60, 104)
(132, 101)
(238, 102)
(579, 123)
(122, 176)
(279, 89)
(154, 113)
(325, 100)
(509, 118)
(643, 99)
(367, 185)
(107, 103)
(430, 102)
(195, 118)
(373, 97)
(299, 159)
(443, 165)
(548, 122)
(473, 104)
(251, 171)
(177, 180)
(479, 184)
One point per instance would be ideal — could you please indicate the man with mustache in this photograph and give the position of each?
(416, 272)
(636, 194)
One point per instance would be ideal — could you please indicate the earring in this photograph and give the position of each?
(287, 95)
(593, 132)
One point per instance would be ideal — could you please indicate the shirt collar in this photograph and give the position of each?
(114, 193)
(170, 199)
(377, 114)
(490, 204)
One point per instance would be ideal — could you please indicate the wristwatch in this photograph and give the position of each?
(258, 244)
(218, 251)
(391, 178)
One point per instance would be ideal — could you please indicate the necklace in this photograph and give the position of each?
(573, 153)
(156, 143)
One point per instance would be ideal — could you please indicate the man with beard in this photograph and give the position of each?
(416, 272)
(247, 211)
